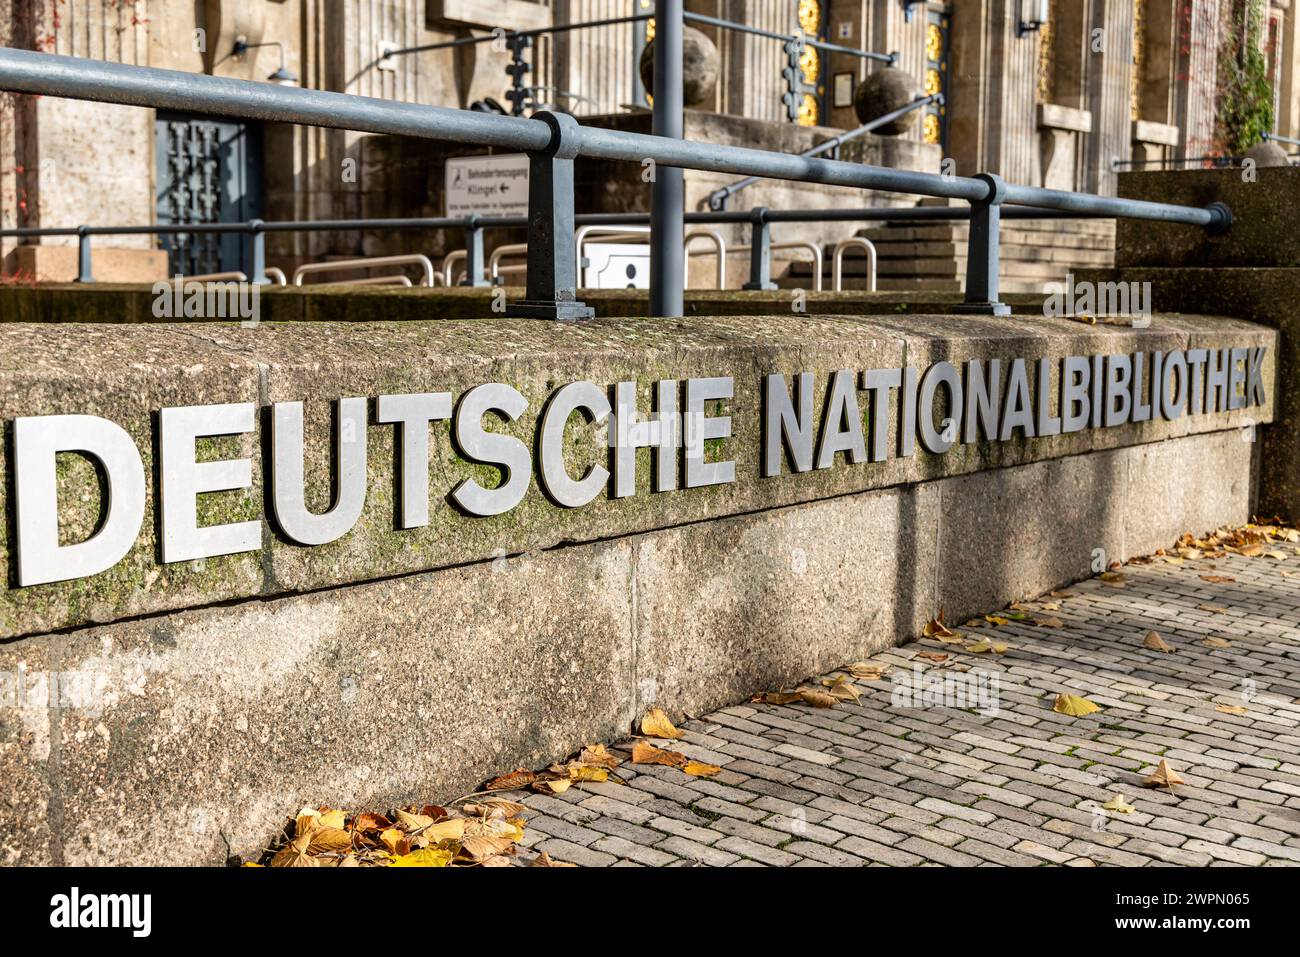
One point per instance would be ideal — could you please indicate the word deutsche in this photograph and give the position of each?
(989, 400)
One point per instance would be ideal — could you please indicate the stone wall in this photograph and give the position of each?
(390, 666)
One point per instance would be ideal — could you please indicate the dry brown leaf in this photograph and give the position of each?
(1049, 622)
(452, 829)
(597, 755)
(935, 628)
(1232, 709)
(498, 861)
(938, 657)
(325, 840)
(867, 671)
(776, 697)
(482, 846)
(655, 724)
(369, 821)
(306, 821)
(1163, 777)
(1217, 643)
(495, 808)
(515, 780)
(1218, 579)
(841, 688)
(1155, 643)
(330, 817)
(643, 753)
(816, 697)
(1216, 609)
(988, 645)
(294, 854)
(1115, 579)
(412, 822)
(391, 838)
(544, 860)
(1119, 805)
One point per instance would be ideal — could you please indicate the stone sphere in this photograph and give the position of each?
(1268, 153)
(882, 92)
(699, 68)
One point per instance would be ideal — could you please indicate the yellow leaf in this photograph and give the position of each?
(332, 817)
(938, 657)
(1154, 642)
(425, 857)
(643, 753)
(583, 772)
(842, 689)
(1232, 709)
(483, 846)
(452, 829)
(935, 628)
(412, 822)
(390, 838)
(307, 820)
(1049, 622)
(1074, 706)
(329, 839)
(556, 786)
(294, 854)
(1278, 556)
(997, 620)
(988, 644)
(1113, 578)
(497, 861)
(700, 770)
(1217, 643)
(1163, 776)
(1216, 609)
(1119, 805)
(655, 724)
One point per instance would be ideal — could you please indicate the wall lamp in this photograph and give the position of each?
(1033, 14)
(282, 76)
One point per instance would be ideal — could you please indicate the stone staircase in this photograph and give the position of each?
(932, 256)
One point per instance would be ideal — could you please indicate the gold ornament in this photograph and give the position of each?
(933, 42)
(810, 16)
(810, 64)
(930, 128)
(808, 111)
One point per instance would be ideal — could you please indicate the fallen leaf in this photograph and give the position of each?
(655, 724)
(306, 821)
(332, 818)
(391, 837)
(776, 697)
(1218, 579)
(294, 854)
(482, 846)
(867, 671)
(1114, 579)
(1051, 606)
(1049, 622)
(987, 645)
(1217, 643)
(369, 821)
(1163, 776)
(816, 697)
(1216, 609)
(1074, 706)
(935, 656)
(1232, 709)
(598, 755)
(328, 840)
(643, 753)
(1119, 805)
(412, 822)
(700, 770)
(544, 860)
(997, 620)
(842, 689)
(552, 786)
(515, 780)
(1061, 594)
(1154, 642)
(583, 772)
(425, 857)
(452, 829)
(495, 808)
(1277, 556)
(935, 628)
(498, 861)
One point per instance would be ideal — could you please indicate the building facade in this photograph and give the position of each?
(1060, 93)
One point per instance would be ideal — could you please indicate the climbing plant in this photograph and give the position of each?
(1245, 111)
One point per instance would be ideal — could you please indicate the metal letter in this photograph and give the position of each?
(1016, 407)
(555, 479)
(37, 442)
(1075, 377)
(288, 489)
(504, 451)
(841, 422)
(183, 479)
(412, 414)
(1119, 380)
(631, 433)
(945, 373)
(785, 428)
(699, 429)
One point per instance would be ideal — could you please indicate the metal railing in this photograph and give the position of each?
(517, 42)
(554, 141)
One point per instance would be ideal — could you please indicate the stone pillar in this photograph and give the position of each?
(1109, 92)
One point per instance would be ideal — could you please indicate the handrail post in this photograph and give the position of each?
(760, 251)
(552, 253)
(474, 275)
(257, 254)
(84, 273)
(667, 193)
(982, 252)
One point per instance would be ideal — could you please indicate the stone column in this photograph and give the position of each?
(1109, 92)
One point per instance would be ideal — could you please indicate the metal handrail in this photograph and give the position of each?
(630, 231)
(367, 262)
(555, 140)
(837, 262)
(277, 274)
(718, 198)
(394, 280)
(805, 244)
(232, 275)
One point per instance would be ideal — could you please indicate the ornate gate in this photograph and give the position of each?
(209, 171)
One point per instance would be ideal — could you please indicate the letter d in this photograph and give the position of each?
(37, 441)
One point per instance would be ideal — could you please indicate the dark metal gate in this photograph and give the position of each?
(208, 171)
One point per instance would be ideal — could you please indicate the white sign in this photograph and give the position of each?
(616, 266)
(488, 185)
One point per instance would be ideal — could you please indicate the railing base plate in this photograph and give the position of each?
(532, 309)
(983, 308)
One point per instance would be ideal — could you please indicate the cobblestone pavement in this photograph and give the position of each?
(874, 782)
